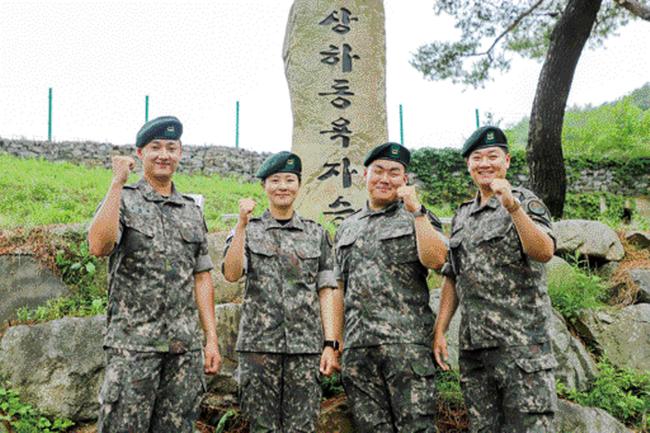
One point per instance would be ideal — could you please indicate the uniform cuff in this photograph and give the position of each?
(326, 279)
(203, 264)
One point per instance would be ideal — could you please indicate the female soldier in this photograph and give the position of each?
(292, 312)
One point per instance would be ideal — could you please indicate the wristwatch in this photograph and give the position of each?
(334, 344)
(420, 212)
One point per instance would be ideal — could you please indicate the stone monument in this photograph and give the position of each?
(335, 63)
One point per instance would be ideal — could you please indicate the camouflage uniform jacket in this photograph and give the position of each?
(285, 266)
(502, 292)
(161, 245)
(386, 293)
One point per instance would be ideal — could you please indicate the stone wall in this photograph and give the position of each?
(226, 161)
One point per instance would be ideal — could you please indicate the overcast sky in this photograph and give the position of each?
(196, 58)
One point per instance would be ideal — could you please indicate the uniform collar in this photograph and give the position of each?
(492, 203)
(151, 194)
(271, 223)
(367, 212)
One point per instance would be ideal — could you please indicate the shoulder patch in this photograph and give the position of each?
(536, 207)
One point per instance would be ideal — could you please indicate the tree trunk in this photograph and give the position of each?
(544, 151)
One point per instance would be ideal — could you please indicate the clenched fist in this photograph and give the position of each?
(503, 192)
(410, 198)
(122, 167)
(246, 206)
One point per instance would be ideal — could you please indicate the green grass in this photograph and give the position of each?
(572, 290)
(37, 192)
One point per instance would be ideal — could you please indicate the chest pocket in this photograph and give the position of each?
(499, 240)
(398, 245)
(138, 233)
(192, 236)
(309, 254)
(261, 251)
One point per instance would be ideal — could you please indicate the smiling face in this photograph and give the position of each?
(281, 189)
(160, 157)
(383, 178)
(485, 165)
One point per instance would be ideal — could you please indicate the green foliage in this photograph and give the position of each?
(617, 130)
(62, 193)
(572, 290)
(624, 393)
(587, 206)
(79, 271)
(448, 388)
(75, 306)
(331, 386)
(444, 174)
(491, 31)
(23, 418)
(224, 421)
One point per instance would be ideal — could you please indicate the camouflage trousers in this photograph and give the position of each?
(391, 388)
(150, 392)
(510, 389)
(279, 392)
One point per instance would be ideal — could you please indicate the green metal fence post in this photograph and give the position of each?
(478, 123)
(49, 114)
(401, 125)
(237, 125)
(146, 108)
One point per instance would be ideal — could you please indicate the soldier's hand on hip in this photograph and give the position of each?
(329, 362)
(410, 198)
(503, 191)
(212, 361)
(246, 206)
(122, 167)
(440, 352)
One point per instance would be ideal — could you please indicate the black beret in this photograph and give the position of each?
(281, 162)
(165, 127)
(485, 136)
(390, 151)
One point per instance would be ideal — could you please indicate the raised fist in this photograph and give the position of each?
(122, 167)
(410, 198)
(246, 206)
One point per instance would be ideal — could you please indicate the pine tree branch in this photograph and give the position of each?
(636, 8)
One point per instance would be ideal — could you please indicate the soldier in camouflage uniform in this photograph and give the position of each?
(290, 286)
(495, 271)
(158, 265)
(382, 255)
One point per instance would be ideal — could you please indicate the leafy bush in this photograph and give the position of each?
(331, 386)
(24, 419)
(574, 290)
(587, 206)
(624, 393)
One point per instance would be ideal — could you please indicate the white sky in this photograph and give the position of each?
(196, 58)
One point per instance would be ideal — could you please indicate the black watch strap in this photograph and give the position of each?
(334, 344)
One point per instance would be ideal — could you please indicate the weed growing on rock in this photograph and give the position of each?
(23, 418)
(624, 393)
(574, 290)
